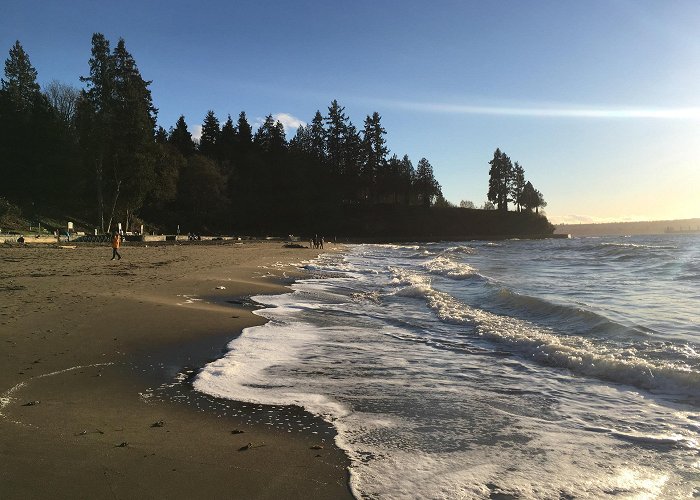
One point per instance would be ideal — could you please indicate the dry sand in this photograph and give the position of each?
(85, 342)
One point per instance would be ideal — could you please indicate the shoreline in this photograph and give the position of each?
(89, 344)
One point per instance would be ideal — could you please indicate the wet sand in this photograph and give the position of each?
(90, 406)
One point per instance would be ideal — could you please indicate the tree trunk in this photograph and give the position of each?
(100, 197)
(114, 207)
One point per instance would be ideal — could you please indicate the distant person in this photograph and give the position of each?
(116, 242)
(320, 242)
(20, 240)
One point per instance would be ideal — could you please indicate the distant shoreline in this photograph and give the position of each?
(680, 226)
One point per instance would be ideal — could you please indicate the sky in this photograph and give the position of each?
(599, 101)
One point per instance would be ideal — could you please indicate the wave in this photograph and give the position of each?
(577, 354)
(447, 267)
(460, 249)
(577, 319)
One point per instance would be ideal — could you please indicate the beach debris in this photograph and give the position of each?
(250, 446)
(31, 403)
(160, 423)
(221, 288)
(237, 431)
(317, 447)
(123, 444)
(84, 432)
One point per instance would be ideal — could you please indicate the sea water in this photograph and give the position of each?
(511, 369)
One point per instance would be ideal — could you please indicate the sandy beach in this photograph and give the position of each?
(89, 402)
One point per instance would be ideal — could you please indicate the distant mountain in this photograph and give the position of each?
(629, 228)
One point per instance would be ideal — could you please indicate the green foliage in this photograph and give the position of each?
(20, 85)
(427, 188)
(210, 135)
(500, 176)
(507, 184)
(181, 138)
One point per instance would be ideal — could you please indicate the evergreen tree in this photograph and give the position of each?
(94, 114)
(517, 184)
(529, 198)
(132, 129)
(500, 175)
(265, 135)
(540, 201)
(35, 146)
(201, 191)
(181, 138)
(374, 177)
(210, 135)
(406, 175)
(427, 188)
(317, 135)
(226, 143)
(20, 85)
(244, 131)
(161, 136)
(353, 159)
(301, 142)
(168, 165)
(336, 134)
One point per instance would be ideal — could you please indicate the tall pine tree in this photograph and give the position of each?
(210, 135)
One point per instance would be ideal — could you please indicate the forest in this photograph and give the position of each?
(98, 154)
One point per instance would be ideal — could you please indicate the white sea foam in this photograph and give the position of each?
(447, 267)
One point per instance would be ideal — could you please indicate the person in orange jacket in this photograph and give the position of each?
(116, 241)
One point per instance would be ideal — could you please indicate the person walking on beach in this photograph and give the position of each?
(116, 241)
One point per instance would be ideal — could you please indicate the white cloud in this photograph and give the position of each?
(196, 133)
(570, 111)
(290, 123)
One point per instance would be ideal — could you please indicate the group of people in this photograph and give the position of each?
(316, 242)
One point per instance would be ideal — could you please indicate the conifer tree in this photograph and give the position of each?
(34, 144)
(94, 115)
(406, 175)
(517, 185)
(20, 85)
(427, 188)
(500, 178)
(161, 136)
(265, 135)
(244, 131)
(375, 180)
(317, 136)
(529, 198)
(226, 143)
(132, 129)
(336, 134)
(181, 138)
(210, 135)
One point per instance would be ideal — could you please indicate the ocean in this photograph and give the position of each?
(512, 369)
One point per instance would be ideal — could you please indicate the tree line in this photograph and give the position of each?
(99, 150)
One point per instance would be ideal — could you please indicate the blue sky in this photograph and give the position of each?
(598, 100)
